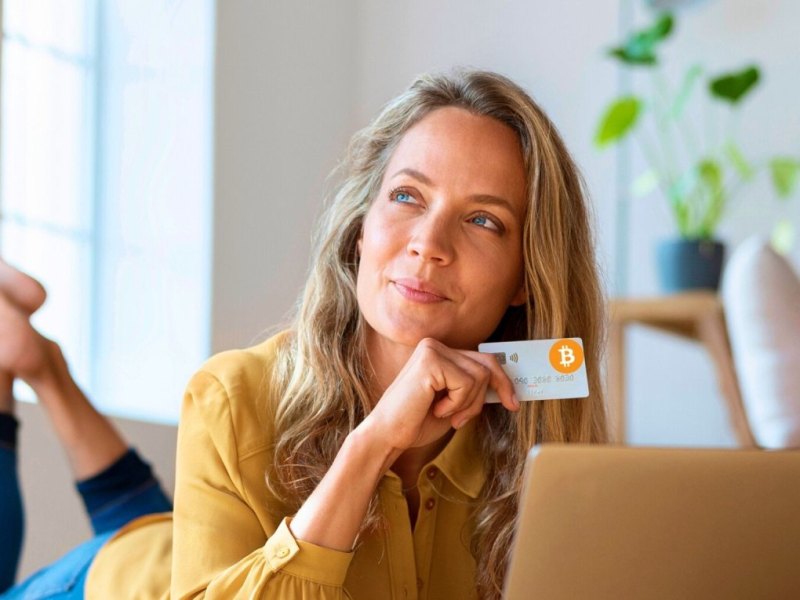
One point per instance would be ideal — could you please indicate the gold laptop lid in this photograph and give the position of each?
(601, 522)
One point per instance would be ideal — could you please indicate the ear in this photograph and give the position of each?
(519, 297)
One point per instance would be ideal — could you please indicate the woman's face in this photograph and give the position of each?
(441, 246)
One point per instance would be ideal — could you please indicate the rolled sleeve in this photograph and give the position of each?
(303, 559)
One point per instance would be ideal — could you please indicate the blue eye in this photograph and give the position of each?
(401, 196)
(484, 221)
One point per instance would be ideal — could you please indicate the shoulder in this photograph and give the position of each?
(234, 388)
(245, 368)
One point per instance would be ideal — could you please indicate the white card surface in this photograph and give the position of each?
(541, 369)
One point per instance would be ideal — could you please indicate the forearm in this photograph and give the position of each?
(333, 513)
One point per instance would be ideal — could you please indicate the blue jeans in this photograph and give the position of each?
(121, 493)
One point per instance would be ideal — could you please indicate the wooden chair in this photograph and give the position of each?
(696, 316)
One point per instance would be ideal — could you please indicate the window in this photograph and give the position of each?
(105, 188)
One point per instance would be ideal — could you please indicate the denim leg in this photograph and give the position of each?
(114, 497)
(124, 491)
(65, 579)
(12, 517)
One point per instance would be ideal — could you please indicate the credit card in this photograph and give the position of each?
(541, 369)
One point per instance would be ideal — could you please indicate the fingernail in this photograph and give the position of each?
(515, 400)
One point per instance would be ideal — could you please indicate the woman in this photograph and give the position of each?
(459, 218)
(353, 456)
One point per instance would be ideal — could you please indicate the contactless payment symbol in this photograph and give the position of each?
(566, 356)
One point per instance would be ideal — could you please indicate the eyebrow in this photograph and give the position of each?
(479, 198)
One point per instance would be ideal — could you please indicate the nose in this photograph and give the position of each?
(431, 240)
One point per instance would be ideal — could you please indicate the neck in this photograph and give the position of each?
(387, 359)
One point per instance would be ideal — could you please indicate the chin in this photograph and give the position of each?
(411, 334)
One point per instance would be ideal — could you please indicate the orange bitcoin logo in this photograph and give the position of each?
(566, 356)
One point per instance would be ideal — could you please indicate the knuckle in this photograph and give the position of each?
(428, 343)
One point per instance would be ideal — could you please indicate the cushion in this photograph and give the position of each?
(761, 296)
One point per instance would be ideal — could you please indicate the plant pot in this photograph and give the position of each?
(689, 264)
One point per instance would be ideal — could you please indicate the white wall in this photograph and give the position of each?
(285, 88)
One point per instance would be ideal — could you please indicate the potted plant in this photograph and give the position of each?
(698, 182)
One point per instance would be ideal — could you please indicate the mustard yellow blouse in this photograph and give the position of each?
(229, 537)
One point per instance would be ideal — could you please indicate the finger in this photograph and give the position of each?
(452, 385)
(21, 289)
(497, 376)
(458, 392)
(460, 418)
(480, 376)
(498, 380)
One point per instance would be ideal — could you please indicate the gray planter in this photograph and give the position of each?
(689, 264)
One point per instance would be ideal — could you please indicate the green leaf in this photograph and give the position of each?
(619, 119)
(711, 174)
(732, 87)
(687, 86)
(784, 175)
(639, 48)
(662, 27)
(629, 57)
(783, 236)
(738, 161)
(710, 211)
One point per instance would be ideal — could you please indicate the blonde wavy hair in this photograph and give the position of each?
(322, 371)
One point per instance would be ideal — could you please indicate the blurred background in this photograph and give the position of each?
(162, 164)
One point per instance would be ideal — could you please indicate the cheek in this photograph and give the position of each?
(371, 258)
(379, 241)
(497, 281)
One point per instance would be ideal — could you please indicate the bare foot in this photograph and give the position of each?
(22, 289)
(27, 295)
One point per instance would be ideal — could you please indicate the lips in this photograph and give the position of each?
(417, 290)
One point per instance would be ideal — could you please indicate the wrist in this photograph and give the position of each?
(368, 439)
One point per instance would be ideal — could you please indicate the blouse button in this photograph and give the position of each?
(431, 472)
(430, 503)
(283, 552)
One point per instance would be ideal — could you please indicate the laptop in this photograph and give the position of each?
(603, 522)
